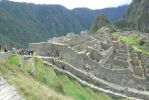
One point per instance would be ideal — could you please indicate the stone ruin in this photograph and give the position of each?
(113, 61)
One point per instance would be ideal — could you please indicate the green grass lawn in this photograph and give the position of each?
(14, 59)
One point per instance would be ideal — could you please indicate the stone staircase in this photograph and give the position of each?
(8, 92)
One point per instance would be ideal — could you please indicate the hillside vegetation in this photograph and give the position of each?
(29, 88)
(137, 15)
(21, 23)
(47, 84)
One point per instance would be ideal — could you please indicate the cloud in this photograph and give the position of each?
(93, 4)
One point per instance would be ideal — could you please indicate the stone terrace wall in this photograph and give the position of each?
(78, 40)
(87, 44)
(89, 78)
(107, 56)
(121, 77)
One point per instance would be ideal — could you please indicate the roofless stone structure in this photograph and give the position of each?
(110, 60)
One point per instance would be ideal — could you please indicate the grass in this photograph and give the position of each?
(70, 89)
(14, 59)
(47, 76)
(29, 88)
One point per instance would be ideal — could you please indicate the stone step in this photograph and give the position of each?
(3, 86)
(2, 82)
(16, 98)
(6, 90)
(6, 94)
(11, 96)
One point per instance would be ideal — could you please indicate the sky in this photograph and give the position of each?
(92, 4)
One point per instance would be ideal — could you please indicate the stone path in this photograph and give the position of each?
(8, 92)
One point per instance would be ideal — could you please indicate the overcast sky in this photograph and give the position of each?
(92, 4)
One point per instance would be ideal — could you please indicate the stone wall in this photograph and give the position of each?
(87, 44)
(78, 40)
(40, 48)
(121, 63)
(123, 52)
(95, 55)
(107, 56)
(121, 58)
(89, 78)
(4, 56)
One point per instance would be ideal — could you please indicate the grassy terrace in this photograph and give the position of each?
(133, 40)
(46, 84)
(29, 88)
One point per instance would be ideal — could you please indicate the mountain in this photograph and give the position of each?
(100, 21)
(87, 16)
(21, 23)
(138, 15)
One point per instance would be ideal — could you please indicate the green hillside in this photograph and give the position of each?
(45, 82)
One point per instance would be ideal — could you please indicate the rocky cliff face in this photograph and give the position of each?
(138, 14)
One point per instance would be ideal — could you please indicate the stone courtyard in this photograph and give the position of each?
(108, 59)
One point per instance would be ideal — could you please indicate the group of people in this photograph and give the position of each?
(20, 51)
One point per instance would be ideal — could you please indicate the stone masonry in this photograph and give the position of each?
(112, 61)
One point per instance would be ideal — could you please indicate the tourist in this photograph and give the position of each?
(31, 52)
(0, 48)
(14, 50)
(26, 52)
(5, 49)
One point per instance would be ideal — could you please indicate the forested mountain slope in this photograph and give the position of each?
(21, 23)
(138, 15)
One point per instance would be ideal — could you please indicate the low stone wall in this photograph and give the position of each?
(135, 62)
(116, 44)
(121, 58)
(87, 44)
(95, 55)
(105, 46)
(121, 63)
(107, 56)
(138, 70)
(78, 40)
(121, 51)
